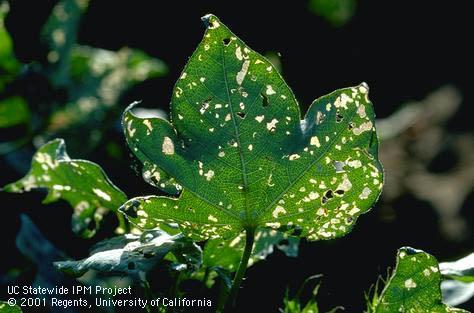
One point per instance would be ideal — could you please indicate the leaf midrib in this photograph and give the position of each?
(236, 134)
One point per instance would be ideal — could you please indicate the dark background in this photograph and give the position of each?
(402, 49)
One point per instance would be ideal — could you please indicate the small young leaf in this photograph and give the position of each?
(238, 147)
(8, 308)
(413, 287)
(81, 183)
(133, 254)
(296, 304)
(227, 253)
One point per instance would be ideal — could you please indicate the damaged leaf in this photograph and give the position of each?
(238, 147)
(81, 183)
(413, 287)
(134, 255)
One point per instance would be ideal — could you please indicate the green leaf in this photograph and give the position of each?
(462, 269)
(336, 12)
(94, 79)
(60, 34)
(296, 304)
(413, 287)
(81, 183)
(13, 111)
(238, 147)
(98, 78)
(9, 65)
(133, 254)
(6, 308)
(227, 253)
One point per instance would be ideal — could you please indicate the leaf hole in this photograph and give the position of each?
(205, 105)
(265, 102)
(349, 220)
(241, 114)
(339, 117)
(131, 209)
(351, 126)
(91, 225)
(339, 192)
(297, 232)
(226, 41)
(328, 195)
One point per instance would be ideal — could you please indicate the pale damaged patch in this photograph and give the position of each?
(315, 141)
(101, 194)
(209, 175)
(260, 118)
(278, 210)
(410, 284)
(168, 146)
(271, 126)
(243, 72)
(270, 90)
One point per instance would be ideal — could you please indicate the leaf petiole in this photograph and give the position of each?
(239, 275)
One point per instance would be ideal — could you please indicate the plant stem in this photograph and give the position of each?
(239, 275)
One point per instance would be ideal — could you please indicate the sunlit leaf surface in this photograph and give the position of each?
(245, 158)
(81, 183)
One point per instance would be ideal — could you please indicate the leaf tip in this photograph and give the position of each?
(132, 105)
(409, 251)
(365, 85)
(128, 110)
(210, 21)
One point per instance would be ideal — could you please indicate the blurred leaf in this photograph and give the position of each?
(13, 111)
(60, 33)
(459, 284)
(275, 59)
(9, 66)
(296, 304)
(134, 255)
(6, 308)
(227, 253)
(456, 292)
(336, 12)
(15, 126)
(93, 79)
(462, 269)
(82, 183)
(37, 248)
(98, 79)
(413, 287)
(243, 156)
